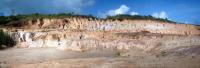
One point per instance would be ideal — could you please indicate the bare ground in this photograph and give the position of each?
(95, 58)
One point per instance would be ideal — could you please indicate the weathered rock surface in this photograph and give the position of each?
(83, 33)
(107, 25)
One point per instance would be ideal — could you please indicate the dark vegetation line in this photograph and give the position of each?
(7, 19)
(138, 17)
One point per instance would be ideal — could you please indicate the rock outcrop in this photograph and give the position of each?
(83, 33)
(108, 25)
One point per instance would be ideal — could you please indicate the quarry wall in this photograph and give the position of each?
(84, 33)
(110, 25)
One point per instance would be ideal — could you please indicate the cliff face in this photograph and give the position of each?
(82, 34)
(107, 25)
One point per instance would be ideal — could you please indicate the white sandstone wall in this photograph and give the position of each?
(83, 33)
(86, 40)
(108, 25)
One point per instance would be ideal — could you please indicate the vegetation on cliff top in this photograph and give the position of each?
(7, 19)
(138, 17)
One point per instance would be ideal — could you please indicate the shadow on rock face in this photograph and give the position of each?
(6, 41)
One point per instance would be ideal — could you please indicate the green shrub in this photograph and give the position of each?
(6, 41)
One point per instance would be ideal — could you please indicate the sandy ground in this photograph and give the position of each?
(96, 58)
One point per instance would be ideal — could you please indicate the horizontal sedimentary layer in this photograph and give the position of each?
(105, 25)
(83, 40)
(84, 33)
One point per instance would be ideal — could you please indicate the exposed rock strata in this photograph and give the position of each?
(82, 34)
(108, 25)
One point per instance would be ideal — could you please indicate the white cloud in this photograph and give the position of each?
(134, 13)
(162, 14)
(123, 9)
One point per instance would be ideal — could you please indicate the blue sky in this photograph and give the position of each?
(185, 11)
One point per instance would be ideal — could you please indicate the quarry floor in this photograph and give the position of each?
(94, 58)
